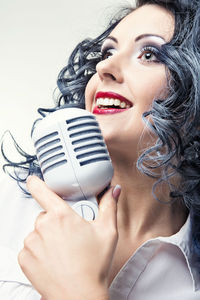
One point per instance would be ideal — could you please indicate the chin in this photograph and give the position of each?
(109, 134)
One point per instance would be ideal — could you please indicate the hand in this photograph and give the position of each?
(67, 257)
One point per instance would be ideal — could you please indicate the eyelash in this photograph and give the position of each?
(151, 50)
(147, 49)
(106, 50)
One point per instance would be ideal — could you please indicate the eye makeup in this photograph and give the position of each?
(147, 48)
(149, 51)
(106, 52)
(144, 44)
(107, 48)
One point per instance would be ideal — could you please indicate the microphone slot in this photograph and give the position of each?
(83, 125)
(89, 146)
(49, 144)
(94, 160)
(44, 154)
(46, 137)
(60, 163)
(88, 139)
(85, 132)
(52, 159)
(80, 119)
(91, 153)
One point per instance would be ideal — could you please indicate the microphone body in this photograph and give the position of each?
(73, 158)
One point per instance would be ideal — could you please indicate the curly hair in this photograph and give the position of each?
(176, 119)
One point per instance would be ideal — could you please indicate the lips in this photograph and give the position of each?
(110, 103)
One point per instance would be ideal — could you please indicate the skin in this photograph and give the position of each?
(140, 217)
(57, 271)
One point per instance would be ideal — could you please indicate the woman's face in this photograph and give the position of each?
(129, 78)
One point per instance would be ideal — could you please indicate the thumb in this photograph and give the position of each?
(108, 206)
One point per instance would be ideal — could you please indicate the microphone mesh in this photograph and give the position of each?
(49, 152)
(85, 132)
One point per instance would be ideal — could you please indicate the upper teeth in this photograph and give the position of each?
(112, 101)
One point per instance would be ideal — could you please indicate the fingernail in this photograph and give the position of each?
(116, 192)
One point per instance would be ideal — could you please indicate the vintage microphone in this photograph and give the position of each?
(73, 157)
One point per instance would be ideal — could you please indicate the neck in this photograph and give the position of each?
(140, 215)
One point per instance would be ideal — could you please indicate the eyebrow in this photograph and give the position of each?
(112, 38)
(138, 38)
(142, 36)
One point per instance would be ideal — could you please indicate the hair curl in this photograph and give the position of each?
(176, 120)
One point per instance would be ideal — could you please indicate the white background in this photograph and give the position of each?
(36, 38)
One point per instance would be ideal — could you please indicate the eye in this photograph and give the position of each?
(149, 54)
(107, 52)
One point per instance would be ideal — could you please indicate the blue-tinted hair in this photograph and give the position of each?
(176, 120)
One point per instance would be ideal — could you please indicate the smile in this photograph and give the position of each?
(110, 103)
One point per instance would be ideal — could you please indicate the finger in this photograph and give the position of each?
(29, 248)
(29, 266)
(46, 198)
(108, 206)
(39, 220)
(41, 214)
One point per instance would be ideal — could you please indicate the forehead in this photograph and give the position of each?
(147, 19)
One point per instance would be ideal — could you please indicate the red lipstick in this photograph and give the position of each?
(110, 110)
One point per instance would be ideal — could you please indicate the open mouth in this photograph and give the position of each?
(110, 103)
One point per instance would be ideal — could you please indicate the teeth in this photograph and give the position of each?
(99, 101)
(117, 102)
(111, 102)
(122, 104)
(106, 101)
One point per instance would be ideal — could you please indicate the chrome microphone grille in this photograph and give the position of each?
(87, 140)
(50, 152)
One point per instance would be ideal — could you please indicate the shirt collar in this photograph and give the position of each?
(182, 239)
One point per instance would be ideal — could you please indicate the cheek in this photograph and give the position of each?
(150, 85)
(157, 88)
(90, 91)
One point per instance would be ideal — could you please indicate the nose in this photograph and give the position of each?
(110, 69)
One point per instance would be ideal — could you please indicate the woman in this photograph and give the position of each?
(146, 244)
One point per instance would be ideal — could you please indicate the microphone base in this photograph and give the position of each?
(87, 209)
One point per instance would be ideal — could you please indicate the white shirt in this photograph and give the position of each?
(161, 269)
